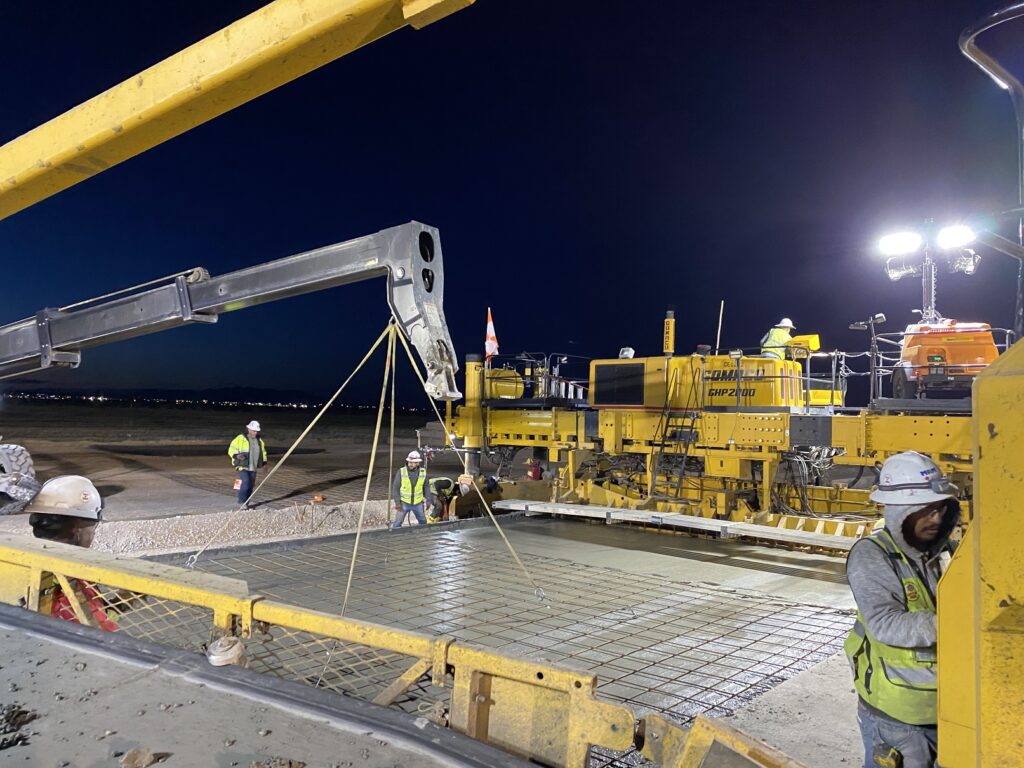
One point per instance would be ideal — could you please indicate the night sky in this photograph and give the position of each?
(586, 169)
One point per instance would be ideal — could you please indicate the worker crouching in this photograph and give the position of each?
(408, 490)
(67, 510)
(442, 491)
(894, 573)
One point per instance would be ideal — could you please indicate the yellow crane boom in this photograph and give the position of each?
(266, 49)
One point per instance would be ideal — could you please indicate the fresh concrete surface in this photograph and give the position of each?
(811, 717)
(91, 709)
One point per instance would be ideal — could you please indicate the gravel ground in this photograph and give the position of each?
(249, 526)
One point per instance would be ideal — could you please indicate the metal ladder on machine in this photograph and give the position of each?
(678, 428)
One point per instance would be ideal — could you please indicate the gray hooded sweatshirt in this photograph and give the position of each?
(879, 591)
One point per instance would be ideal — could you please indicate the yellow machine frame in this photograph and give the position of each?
(266, 49)
(742, 448)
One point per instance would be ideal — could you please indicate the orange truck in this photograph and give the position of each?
(942, 355)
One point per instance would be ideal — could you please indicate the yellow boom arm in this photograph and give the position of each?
(276, 44)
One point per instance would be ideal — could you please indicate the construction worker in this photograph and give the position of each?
(248, 453)
(407, 489)
(534, 471)
(893, 573)
(774, 343)
(442, 490)
(67, 510)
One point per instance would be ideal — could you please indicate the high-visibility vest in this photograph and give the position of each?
(241, 445)
(900, 682)
(409, 493)
(774, 343)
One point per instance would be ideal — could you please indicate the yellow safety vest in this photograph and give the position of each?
(241, 445)
(900, 682)
(775, 342)
(409, 493)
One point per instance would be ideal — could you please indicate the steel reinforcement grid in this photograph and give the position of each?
(672, 647)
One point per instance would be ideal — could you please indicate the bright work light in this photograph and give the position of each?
(955, 236)
(900, 243)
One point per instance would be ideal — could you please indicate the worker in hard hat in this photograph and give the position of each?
(894, 573)
(774, 343)
(442, 491)
(407, 490)
(67, 510)
(248, 453)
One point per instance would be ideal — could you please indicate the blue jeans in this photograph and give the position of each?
(405, 509)
(248, 477)
(919, 744)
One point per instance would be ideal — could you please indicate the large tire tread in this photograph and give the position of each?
(15, 458)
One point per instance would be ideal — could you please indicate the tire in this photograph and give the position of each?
(902, 387)
(14, 458)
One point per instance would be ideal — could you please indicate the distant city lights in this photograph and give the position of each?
(180, 401)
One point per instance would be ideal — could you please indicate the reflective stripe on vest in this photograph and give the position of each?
(241, 445)
(409, 494)
(775, 342)
(901, 682)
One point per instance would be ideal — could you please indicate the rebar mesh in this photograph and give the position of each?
(677, 648)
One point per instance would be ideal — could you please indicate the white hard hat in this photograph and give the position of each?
(253, 425)
(414, 456)
(785, 323)
(910, 478)
(626, 353)
(69, 495)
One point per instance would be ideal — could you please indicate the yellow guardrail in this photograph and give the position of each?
(548, 714)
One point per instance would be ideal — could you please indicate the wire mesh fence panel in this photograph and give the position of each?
(146, 617)
(351, 669)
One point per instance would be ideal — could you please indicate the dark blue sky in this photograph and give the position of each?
(586, 169)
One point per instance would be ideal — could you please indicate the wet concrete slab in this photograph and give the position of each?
(75, 697)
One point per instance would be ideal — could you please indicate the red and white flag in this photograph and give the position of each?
(490, 340)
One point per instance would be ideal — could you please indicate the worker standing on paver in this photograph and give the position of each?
(894, 573)
(774, 343)
(248, 453)
(407, 489)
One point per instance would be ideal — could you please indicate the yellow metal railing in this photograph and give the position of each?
(548, 714)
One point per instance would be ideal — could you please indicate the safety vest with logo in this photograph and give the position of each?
(774, 343)
(900, 682)
(409, 493)
(241, 445)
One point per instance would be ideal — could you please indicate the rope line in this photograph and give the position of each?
(388, 370)
(194, 558)
(537, 590)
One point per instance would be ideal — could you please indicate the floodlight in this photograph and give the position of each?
(897, 268)
(900, 243)
(954, 236)
(964, 260)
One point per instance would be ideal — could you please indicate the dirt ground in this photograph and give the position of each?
(170, 463)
